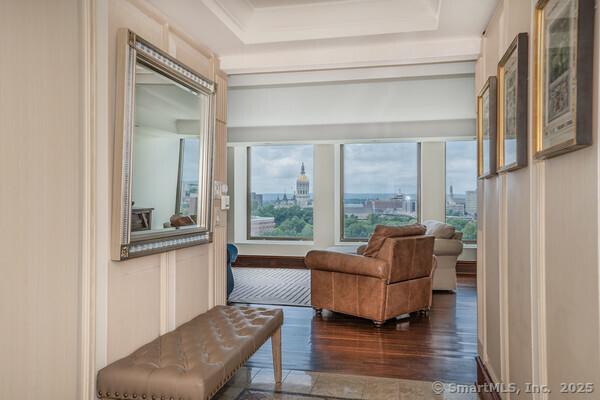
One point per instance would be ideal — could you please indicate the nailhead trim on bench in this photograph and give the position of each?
(223, 383)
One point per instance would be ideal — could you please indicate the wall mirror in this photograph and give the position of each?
(163, 152)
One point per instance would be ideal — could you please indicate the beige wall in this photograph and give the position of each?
(66, 309)
(41, 131)
(142, 298)
(538, 258)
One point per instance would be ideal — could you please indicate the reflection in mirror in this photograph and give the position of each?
(166, 163)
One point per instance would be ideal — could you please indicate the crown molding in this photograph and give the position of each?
(413, 71)
(372, 53)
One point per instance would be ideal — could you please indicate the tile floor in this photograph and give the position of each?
(326, 385)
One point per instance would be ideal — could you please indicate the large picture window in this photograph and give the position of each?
(280, 199)
(380, 186)
(461, 187)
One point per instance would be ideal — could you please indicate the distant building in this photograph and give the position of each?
(256, 200)
(400, 204)
(301, 198)
(361, 211)
(471, 204)
(285, 201)
(457, 209)
(302, 189)
(456, 206)
(189, 199)
(396, 205)
(260, 225)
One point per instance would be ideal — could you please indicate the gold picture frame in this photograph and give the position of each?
(513, 72)
(486, 129)
(563, 76)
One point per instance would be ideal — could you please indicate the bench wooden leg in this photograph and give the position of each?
(276, 344)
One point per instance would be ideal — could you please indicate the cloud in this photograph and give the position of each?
(380, 168)
(368, 168)
(274, 168)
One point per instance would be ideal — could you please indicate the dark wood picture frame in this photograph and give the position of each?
(581, 134)
(519, 48)
(489, 89)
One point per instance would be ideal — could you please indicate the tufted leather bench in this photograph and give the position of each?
(195, 360)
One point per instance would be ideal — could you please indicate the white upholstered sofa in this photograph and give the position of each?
(447, 247)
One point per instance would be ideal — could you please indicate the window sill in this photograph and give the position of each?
(277, 242)
(346, 244)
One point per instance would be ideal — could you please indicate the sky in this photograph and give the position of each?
(191, 159)
(461, 166)
(368, 168)
(274, 169)
(380, 168)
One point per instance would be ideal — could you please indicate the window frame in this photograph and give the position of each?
(342, 239)
(249, 236)
(470, 242)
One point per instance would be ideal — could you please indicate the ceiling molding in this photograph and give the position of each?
(418, 71)
(363, 55)
(293, 3)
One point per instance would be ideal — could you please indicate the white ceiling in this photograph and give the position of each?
(285, 3)
(292, 35)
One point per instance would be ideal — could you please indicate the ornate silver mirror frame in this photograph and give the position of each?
(131, 50)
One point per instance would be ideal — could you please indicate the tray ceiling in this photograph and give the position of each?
(286, 3)
(285, 35)
(271, 21)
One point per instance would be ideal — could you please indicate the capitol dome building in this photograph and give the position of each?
(302, 188)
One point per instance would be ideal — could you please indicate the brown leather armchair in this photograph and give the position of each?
(395, 279)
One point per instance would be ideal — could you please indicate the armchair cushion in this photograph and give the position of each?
(382, 232)
(347, 263)
(439, 230)
(408, 257)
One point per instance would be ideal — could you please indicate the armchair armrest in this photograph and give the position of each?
(347, 263)
(447, 247)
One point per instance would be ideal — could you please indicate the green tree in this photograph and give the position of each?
(355, 228)
(289, 221)
(470, 231)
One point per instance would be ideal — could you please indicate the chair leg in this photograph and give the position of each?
(318, 311)
(276, 344)
(378, 324)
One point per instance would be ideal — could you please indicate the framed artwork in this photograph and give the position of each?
(564, 47)
(486, 129)
(513, 72)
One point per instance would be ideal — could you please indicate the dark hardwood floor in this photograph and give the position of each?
(441, 347)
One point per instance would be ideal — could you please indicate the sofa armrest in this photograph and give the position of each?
(447, 247)
(347, 263)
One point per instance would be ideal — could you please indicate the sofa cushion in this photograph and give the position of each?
(382, 232)
(439, 230)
